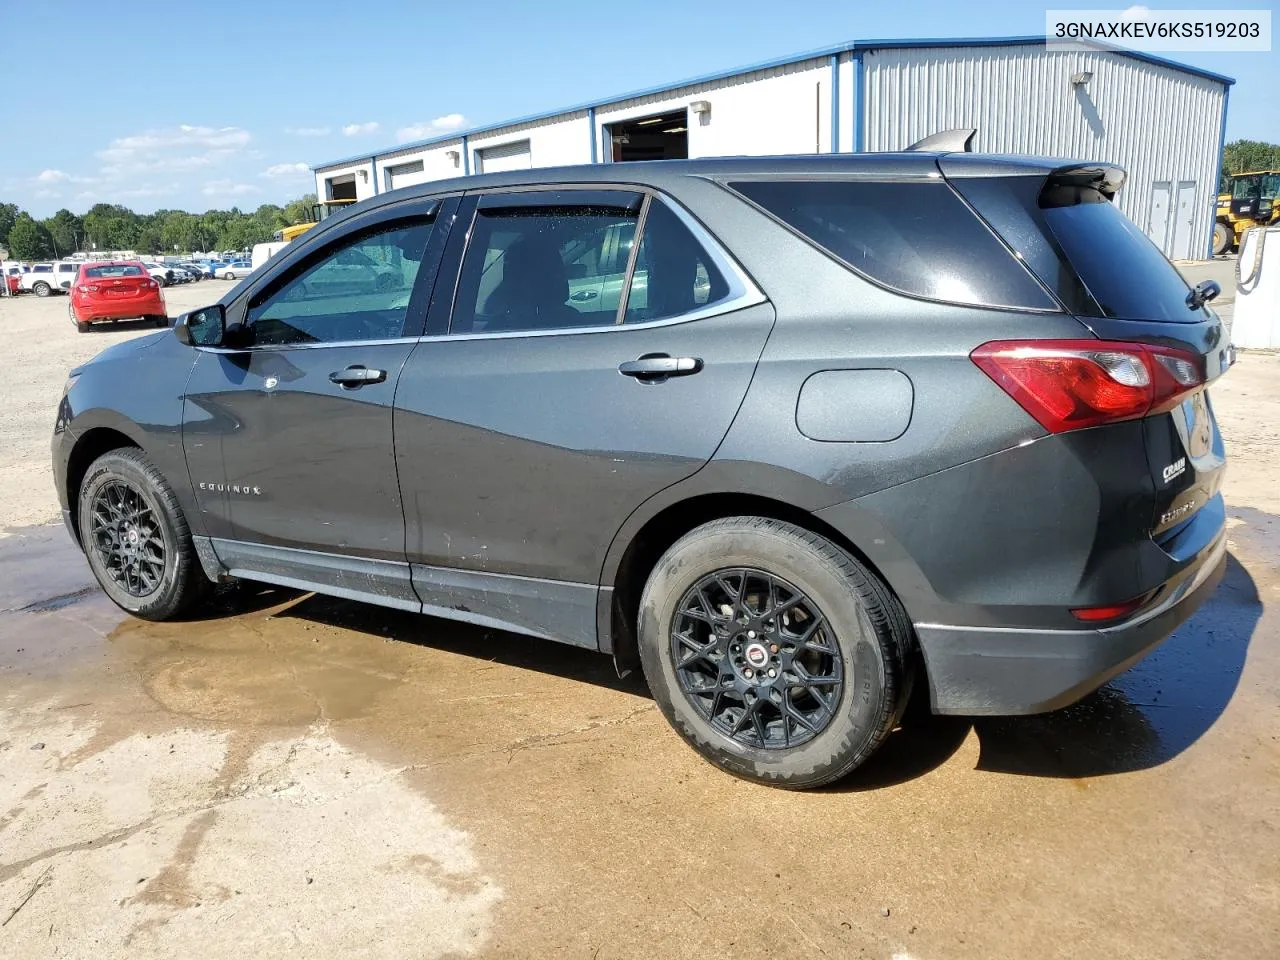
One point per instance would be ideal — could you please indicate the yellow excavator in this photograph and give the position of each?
(319, 211)
(1250, 201)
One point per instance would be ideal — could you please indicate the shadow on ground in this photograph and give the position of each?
(1141, 719)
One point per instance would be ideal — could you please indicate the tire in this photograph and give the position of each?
(159, 321)
(41, 289)
(849, 613)
(154, 591)
(228, 275)
(82, 326)
(1222, 239)
(160, 281)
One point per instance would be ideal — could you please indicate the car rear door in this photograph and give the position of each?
(288, 439)
(532, 420)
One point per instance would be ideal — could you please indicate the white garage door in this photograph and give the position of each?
(404, 174)
(509, 156)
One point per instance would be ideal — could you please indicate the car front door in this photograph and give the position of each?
(531, 423)
(288, 436)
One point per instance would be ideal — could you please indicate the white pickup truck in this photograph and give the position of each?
(47, 278)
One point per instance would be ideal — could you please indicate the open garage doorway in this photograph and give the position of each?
(660, 137)
(341, 188)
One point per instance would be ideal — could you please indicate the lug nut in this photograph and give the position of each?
(773, 648)
(773, 672)
(748, 673)
(751, 634)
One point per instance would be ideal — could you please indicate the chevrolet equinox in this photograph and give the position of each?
(786, 433)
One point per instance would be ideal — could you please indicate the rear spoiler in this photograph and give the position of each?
(1106, 178)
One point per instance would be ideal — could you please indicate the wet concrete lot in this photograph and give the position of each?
(302, 776)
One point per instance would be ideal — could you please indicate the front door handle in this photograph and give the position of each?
(656, 367)
(357, 375)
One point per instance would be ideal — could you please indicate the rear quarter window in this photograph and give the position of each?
(915, 238)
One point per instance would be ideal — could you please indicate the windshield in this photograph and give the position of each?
(1125, 272)
(1245, 187)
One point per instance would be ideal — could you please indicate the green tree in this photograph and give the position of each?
(1241, 156)
(299, 211)
(66, 232)
(28, 239)
(8, 214)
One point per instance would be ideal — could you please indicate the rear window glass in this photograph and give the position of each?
(118, 270)
(916, 238)
(1125, 272)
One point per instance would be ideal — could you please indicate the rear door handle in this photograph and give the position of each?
(357, 375)
(582, 295)
(656, 367)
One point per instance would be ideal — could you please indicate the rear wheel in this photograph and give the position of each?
(229, 275)
(82, 326)
(41, 289)
(774, 653)
(1222, 239)
(159, 321)
(136, 537)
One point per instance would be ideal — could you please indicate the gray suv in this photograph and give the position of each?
(787, 433)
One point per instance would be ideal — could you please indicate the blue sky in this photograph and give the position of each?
(198, 106)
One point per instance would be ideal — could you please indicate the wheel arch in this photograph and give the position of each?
(628, 566)
(90, 445)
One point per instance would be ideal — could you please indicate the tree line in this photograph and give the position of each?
(109, 226)
(1242, 156)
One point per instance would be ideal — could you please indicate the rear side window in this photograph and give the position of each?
(673, 274)
(916, 238)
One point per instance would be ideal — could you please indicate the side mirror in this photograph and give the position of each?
(1204, 291)
(205, 327)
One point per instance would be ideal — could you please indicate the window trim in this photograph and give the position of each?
(743, 291)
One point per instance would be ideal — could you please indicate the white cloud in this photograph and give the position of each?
(308, 131)
(52, 176)
(432, 128)
(184, 135)
(286, 170)
(361, 129)
(228, 188)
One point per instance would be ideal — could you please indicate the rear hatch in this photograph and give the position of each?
(1063, 224)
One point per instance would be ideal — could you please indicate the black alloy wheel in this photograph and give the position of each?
(757, 658)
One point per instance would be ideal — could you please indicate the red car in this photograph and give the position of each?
(14, 281)
(116, 290)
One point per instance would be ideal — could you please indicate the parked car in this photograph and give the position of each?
(877, 419)
(116, 290)
(47, 278)
(161, 273)
(234, 270)
(203, 270)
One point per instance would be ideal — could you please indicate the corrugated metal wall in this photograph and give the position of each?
(1160, 124)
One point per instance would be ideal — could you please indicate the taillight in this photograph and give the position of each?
(88, 288)
(1073, 384)
(151, 284)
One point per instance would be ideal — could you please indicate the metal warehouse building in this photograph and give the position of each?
(1163, 121)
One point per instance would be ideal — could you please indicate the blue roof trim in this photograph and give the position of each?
(1039, 39)
(856, 46)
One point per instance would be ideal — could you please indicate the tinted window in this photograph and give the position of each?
(530, 267)
(358, 291)
(918, 238)
(42, 268)
(117, 270)
(674, 275)
(1125, 272)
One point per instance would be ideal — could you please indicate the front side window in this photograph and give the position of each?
(357, 291)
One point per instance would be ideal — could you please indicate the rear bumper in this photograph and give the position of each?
(986, 671)
(118, 310)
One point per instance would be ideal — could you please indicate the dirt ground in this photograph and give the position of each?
(303, 776)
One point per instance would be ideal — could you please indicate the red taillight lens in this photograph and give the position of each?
(88, 288)
(1113, 612)
(151, 284)
(1073, 384)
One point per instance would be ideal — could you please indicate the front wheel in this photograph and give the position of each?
(228, 276)
(774, 653)
(41, 289)
(136, 537)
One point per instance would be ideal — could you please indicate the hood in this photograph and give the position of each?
(118, 350)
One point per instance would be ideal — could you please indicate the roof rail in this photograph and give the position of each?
(959, 140)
